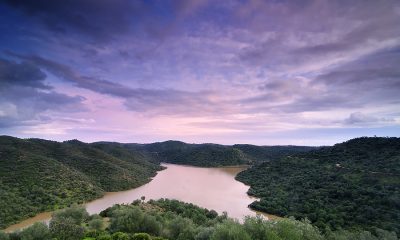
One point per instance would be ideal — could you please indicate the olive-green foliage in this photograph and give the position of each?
(127, 223)
(4, 236)
(120, 236)
(66, 229)
(141, 236)
(104, 237)
(364, 235)
(38, 175)
(181, 228)
(131, 219)
(354, 185)
(204, 233)
(177, 220)
(206, 155)
(213, 155)
(77, 214)
(67, 224)
(38, 231)
(14, 236)
(230, 230)
(259, 154)
(186, 210)
(96, 224)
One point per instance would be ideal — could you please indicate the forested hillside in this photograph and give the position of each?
(206, 155)
(38, 175)
(171, 219)
(214, 155)
(352, 185)
(258, 154)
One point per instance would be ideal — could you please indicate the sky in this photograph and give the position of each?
(304, 72)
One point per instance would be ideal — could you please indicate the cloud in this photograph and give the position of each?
(236, 65)
(369, 81)
(379, 69)
(22, 74)
(155, 101)
(25, 98)
(359, 118)
(105, 21)
(99, 20)
(310, 36)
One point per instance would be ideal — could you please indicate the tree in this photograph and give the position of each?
(230, 230)
(141, 236)
(204, 233)
(77, 214)
(96, 224)
(181, 228)
(4, 236)
(38, 231)
(66, 229)
(120, 236)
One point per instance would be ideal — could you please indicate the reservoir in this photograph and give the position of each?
(211, 188)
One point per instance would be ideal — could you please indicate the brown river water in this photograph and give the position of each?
(212, 188)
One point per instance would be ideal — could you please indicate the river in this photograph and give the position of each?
(212, 188)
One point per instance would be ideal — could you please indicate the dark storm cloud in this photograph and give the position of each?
(102, 20)
(23, 74)
(24, 95)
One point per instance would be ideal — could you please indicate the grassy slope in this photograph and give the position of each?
(355, 184)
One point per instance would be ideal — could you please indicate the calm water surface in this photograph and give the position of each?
(212, 188)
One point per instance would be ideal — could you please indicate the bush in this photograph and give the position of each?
(65, 229)
(141, 236)
(4, 236)
(230, 230)
(38, 231)
(120, 236)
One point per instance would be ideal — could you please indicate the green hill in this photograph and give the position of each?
(352, 185)
(38, 175)
(214, 155)
(206, 155)
(258, 154)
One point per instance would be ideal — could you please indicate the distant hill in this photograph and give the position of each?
(39, 175)
(214, 155)
(352, 185)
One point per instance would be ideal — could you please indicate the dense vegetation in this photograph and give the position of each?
(171, 219)
(258, 154)
(352, 185)
(38, 175)
(214, 155)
